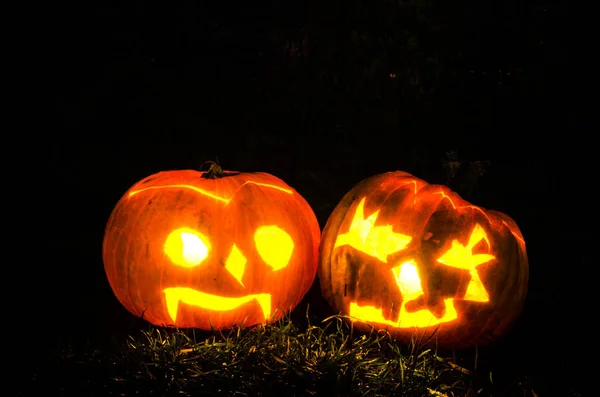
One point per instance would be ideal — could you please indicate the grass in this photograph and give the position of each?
(280, 359)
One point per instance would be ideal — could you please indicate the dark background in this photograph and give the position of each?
(374, 86)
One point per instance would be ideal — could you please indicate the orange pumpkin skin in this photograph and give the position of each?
(185, 250)
(417, 260)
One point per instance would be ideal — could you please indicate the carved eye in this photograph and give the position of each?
(376, 241)
(186, 247)
(462, 257)
(274, 245)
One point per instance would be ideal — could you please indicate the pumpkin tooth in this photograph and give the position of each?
(264, 300)
(172, 301)
(203, 300)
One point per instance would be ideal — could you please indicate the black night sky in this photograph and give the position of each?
(322, 95)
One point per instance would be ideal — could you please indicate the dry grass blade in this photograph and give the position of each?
(281, 359)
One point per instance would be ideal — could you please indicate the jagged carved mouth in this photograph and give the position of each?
(190, 296)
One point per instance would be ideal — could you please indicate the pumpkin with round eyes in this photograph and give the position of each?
(400, 254)
(211, 249)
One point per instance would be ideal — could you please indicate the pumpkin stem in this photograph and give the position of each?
(214, 171)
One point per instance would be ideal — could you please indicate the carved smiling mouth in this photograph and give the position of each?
(189, 296)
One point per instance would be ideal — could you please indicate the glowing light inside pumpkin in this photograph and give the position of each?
(186, 247)
(376, 241)
(408, 280)
(409, 283)
(461, 257)
(274, 246)
(236, 264)
(381, 241)
(190, 296)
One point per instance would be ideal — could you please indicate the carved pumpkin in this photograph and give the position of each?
(211, 249)
(413, 258)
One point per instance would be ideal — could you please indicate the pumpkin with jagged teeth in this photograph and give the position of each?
(417, 260)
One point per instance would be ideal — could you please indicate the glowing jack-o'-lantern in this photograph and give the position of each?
(400, 254)
(211, 249)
